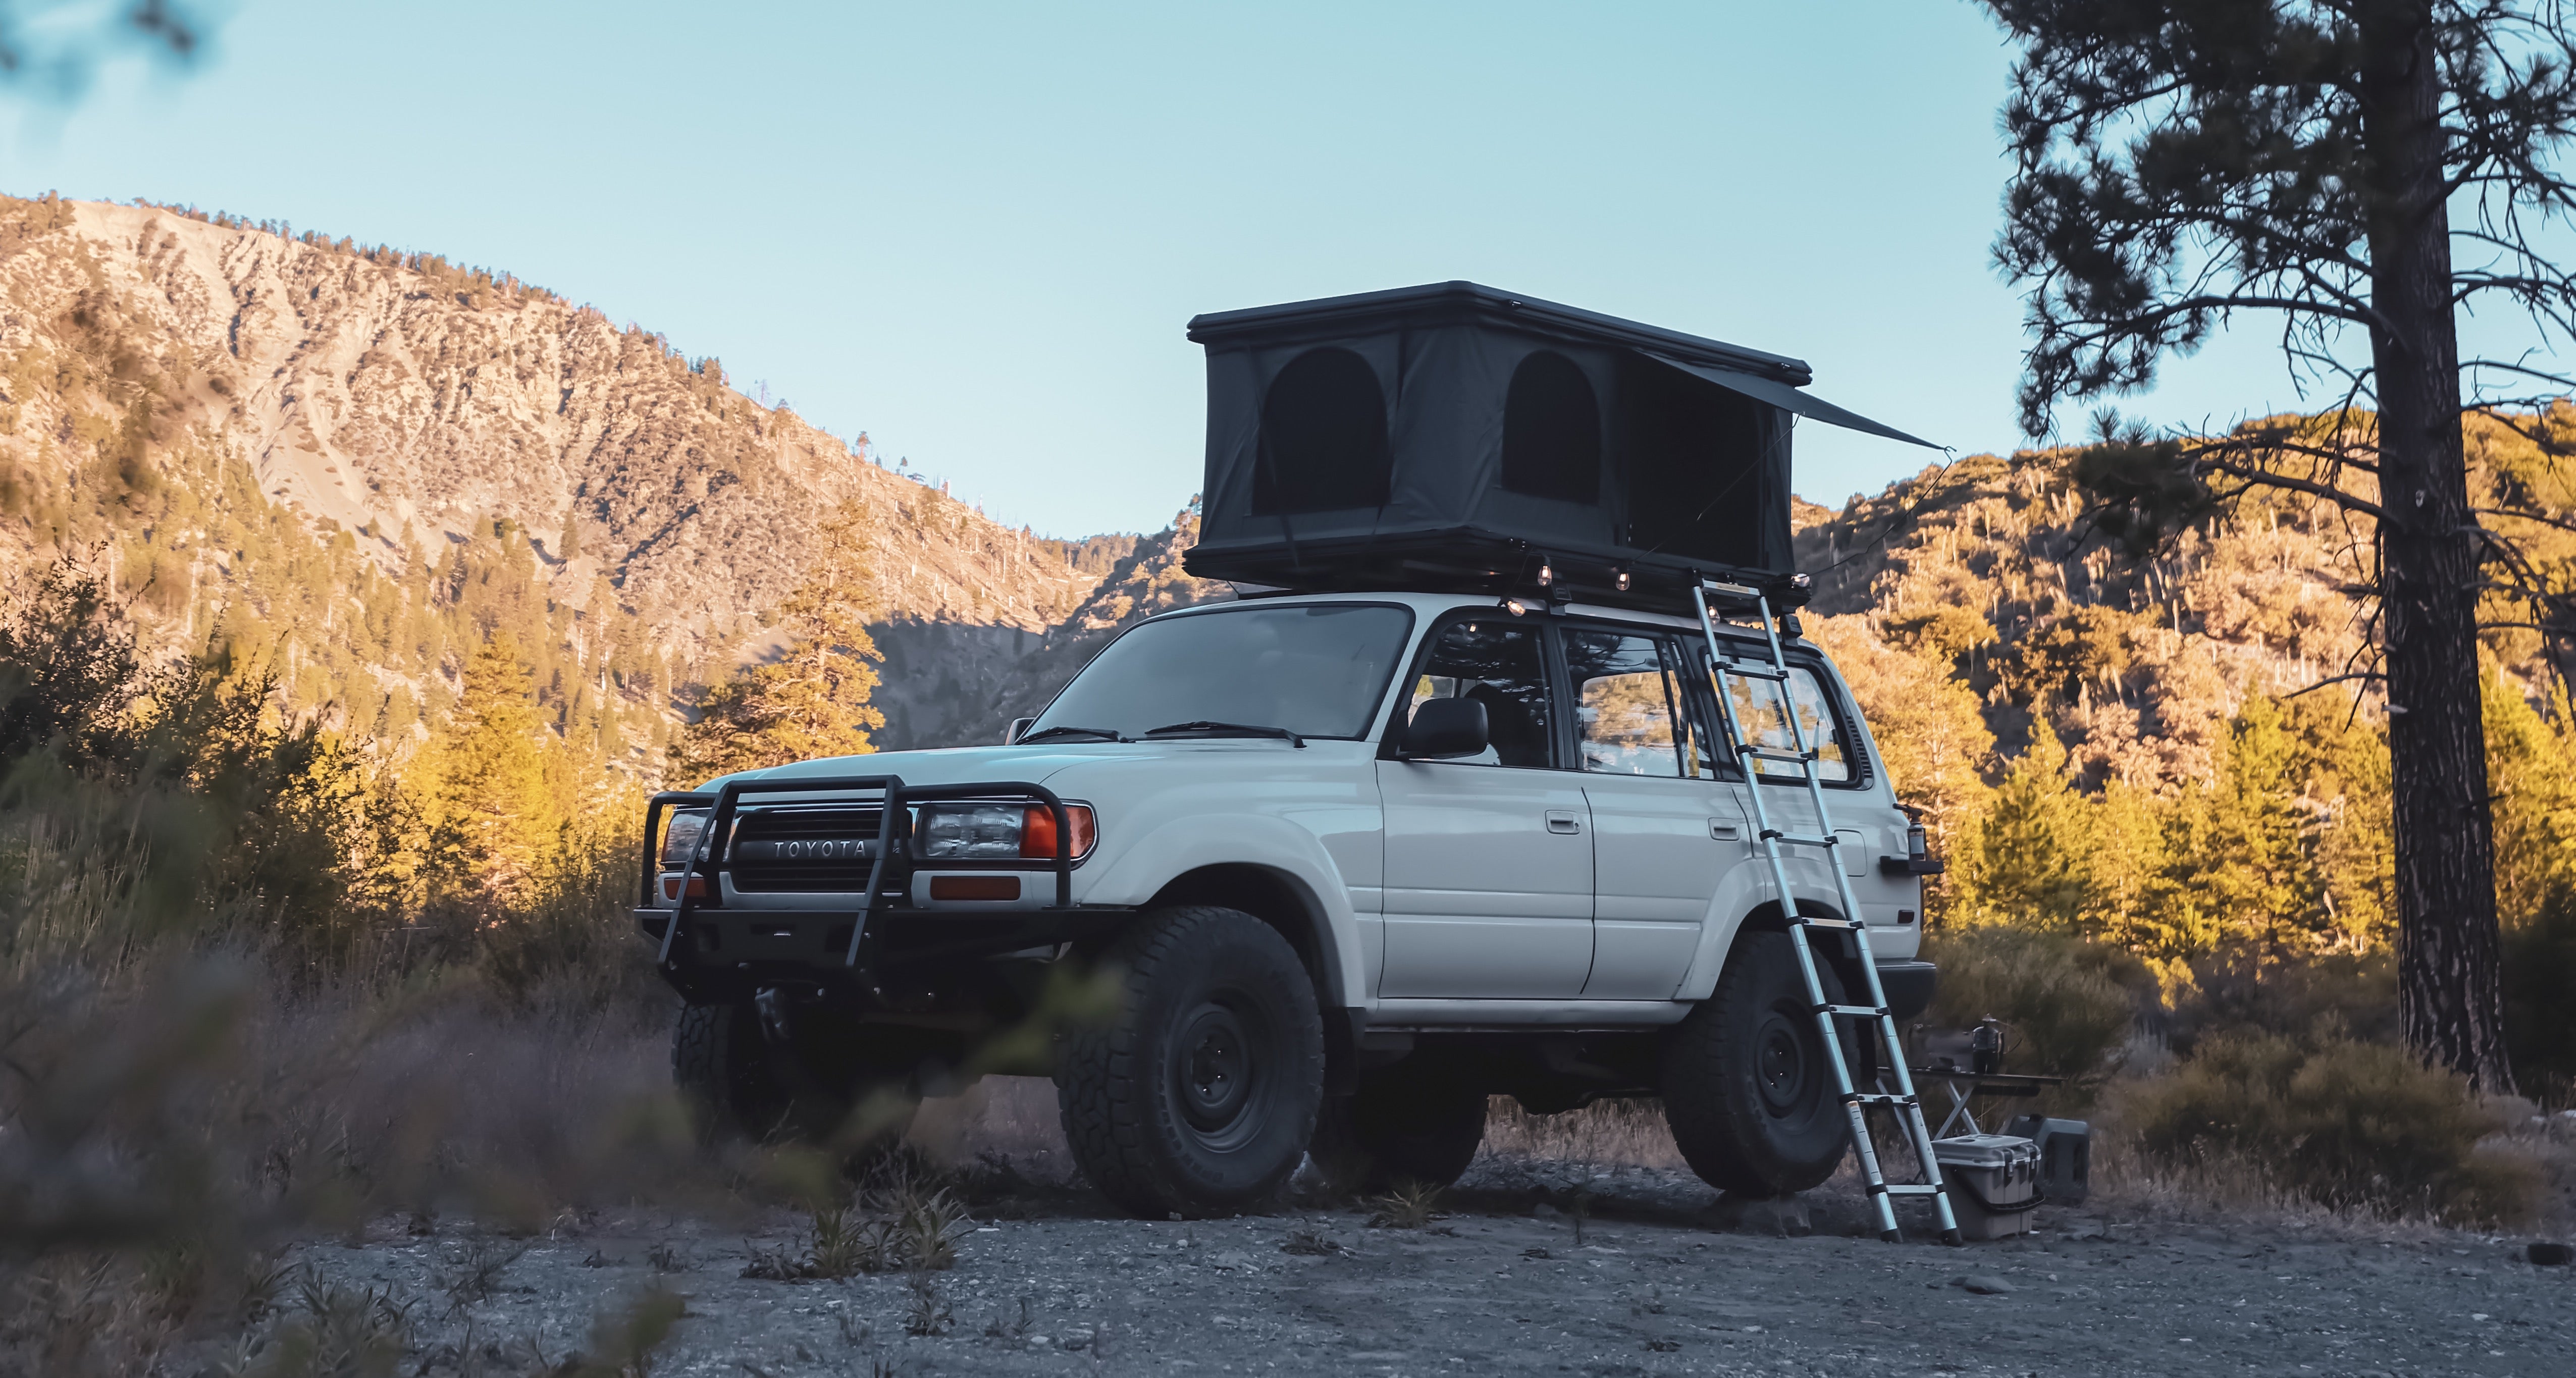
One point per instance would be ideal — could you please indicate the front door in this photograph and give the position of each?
(1664, 825)
(1488, 858)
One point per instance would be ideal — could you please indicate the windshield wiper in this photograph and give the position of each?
(1101, 732)
(1203, 727)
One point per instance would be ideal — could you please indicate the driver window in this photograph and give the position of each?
(1499, 665)
(1624, 704)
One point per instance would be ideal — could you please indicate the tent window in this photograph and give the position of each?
(1323, 437)
(1694, 461)
(1552, 431)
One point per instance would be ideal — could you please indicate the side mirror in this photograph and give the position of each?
(1446, 727)
(1018, 726)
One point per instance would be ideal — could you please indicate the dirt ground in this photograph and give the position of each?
(1050, 1280)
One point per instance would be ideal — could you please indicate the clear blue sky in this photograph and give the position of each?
(975, 230)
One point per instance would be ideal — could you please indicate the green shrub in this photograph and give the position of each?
(2539, 1017)
(2347, 1125)
(2331, 995)
(2068, 1003)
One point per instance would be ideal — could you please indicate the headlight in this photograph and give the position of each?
(996, 832)
(680, 839)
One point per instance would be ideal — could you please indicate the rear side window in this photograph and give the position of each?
(1502, 666)
(1757, 707)
(1628, 717)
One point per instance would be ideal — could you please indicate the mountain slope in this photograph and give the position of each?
(207, 405)
(388, 391)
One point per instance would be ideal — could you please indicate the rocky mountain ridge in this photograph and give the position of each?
(392, 396)
(396, 409)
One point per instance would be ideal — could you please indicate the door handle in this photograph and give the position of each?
(1561, 821)
(1724, 831)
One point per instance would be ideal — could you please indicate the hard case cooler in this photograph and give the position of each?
(1993, 1181)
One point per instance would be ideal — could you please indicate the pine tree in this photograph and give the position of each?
(2254, 865)
(2531, 763)
(493, 808)
(2181, 167)
(2030, 859)
(813, 700)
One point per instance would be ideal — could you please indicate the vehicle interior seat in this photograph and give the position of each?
(1517, 737)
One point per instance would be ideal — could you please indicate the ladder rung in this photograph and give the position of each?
(1879, 1098)
(1795, 758)
(1775, 676)
(1794, 840)
(1804, 921)
(1852, 1011)
(1910, 1189)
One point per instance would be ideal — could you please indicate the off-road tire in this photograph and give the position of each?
(1746, 1087)
(722, 1069)
(739, 1087)
(1404, 1124)
(1198, 1097)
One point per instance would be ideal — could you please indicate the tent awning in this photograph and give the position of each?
(1782, 395)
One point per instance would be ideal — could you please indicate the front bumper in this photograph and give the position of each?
(717, 942)
(725, 954)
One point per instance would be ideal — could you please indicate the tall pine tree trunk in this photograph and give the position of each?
(2447, 980)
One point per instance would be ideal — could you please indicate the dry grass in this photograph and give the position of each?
(1410, 1206)
(162, 1133)
(905, 1215)
(1620, 1133)
(2353, 1127)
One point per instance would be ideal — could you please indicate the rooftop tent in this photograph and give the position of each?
(1456, 437)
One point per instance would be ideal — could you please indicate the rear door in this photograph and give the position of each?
(1489, 858)
(1664, 823)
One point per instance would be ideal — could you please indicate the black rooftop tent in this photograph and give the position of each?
(1456, 438)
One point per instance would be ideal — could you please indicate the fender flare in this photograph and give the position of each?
(1290, 855)
(1743, 897)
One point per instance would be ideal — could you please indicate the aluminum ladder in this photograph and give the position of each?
(1871, 1018)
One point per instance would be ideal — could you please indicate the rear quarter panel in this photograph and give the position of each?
(1870, 812)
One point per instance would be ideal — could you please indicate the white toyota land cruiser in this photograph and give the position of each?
(1362, 861)
(1455, 815)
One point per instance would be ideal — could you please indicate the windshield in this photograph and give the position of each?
(1317, 669)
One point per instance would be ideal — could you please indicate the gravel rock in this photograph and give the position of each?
(1650, 1290)
(1762, 1215)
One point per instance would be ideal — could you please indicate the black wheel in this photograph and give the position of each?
(722, 1068)
(1747, 1088)
(1404, 1124)
(1199, 1096)
(741, 1084)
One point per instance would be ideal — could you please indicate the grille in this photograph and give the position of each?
(792, 851)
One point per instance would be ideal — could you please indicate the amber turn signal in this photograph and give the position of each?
(671, 887)
(1037, 833)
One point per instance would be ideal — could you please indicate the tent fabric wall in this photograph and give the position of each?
(1693, 448)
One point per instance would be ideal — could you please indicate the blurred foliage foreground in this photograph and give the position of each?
(254, 986)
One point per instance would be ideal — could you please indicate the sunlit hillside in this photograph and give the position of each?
(353, 463)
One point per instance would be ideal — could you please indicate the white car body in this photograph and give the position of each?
(1438, 895)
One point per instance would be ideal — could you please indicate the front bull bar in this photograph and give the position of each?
(711, 860)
